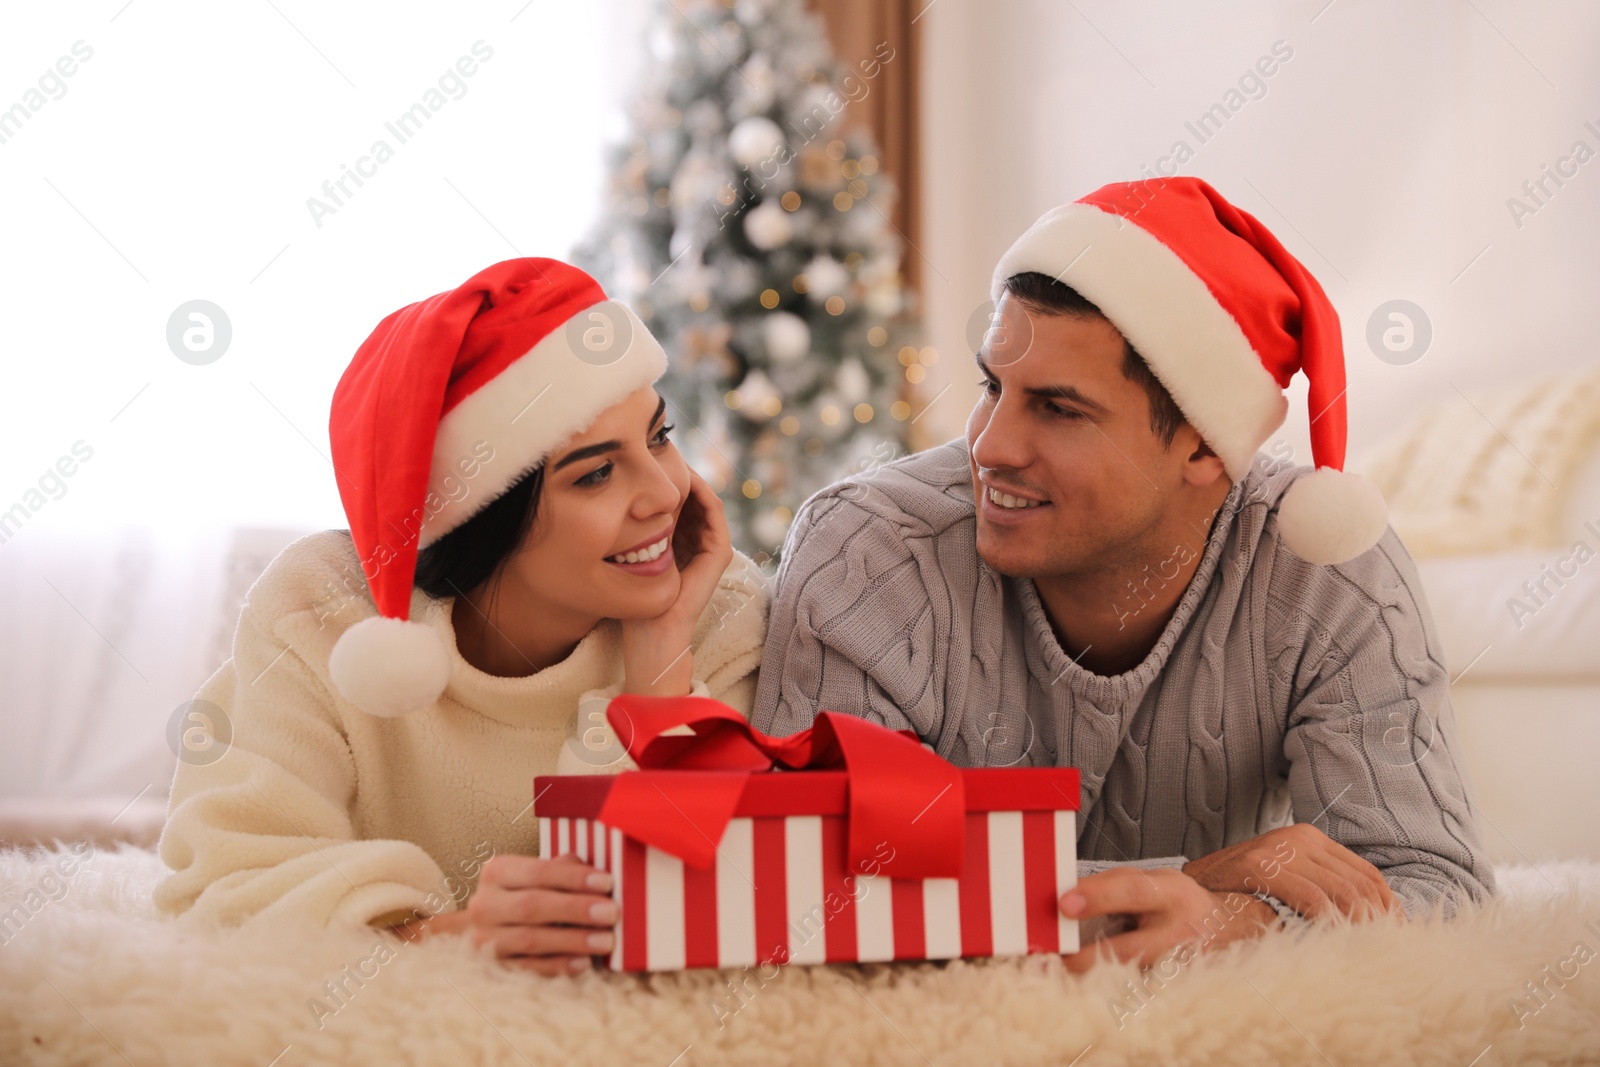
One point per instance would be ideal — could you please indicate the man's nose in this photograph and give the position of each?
(1003, 441)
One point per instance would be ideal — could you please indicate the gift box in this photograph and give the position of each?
(847, 842)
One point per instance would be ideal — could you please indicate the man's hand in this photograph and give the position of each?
(1170, 909)
(1304, 868)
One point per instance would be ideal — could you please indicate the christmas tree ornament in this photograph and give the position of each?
(768, 226)
(755, 140)
(851, 381)
(826, 276)
(787, 337)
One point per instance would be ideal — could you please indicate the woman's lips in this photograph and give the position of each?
(648, 568)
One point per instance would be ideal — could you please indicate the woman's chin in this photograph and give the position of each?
(647, 598)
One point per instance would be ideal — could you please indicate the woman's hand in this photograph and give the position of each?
(656, 658)
(548, 916)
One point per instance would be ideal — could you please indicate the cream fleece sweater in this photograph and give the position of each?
(317, 812)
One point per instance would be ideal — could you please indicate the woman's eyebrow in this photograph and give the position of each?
(578, 455)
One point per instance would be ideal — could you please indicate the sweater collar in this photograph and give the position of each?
(547, 698)
(1126, 687)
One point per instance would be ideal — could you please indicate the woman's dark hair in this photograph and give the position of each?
(469, 555)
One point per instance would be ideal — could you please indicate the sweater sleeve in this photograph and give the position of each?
(1374, 760)
(263, 833)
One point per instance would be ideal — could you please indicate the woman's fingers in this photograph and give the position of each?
(529, 872)
(552, 941)
(550, 966)
(536, 907)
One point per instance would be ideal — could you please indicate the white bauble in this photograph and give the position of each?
(696, 181)
(787, 337)
(754, 392)
(768, 226)
(754, 140)
(825, 277)
(851, 381)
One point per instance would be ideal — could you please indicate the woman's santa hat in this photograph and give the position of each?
(1224, 316)
(447, 405)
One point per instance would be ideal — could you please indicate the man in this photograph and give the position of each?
(1104, 574)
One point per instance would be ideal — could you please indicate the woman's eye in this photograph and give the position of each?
(989, 385)
(596, 476)
(661, 435)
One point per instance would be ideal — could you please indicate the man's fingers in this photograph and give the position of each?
(1144, 946)
(1344, 885)
(1357, 887)
(1299, 892)
(1119, 890)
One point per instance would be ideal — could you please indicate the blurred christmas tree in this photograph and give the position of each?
(752, 236)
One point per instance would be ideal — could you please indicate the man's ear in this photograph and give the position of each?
(1203, 466)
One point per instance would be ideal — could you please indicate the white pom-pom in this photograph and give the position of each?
(389, 667)
(1331, 516)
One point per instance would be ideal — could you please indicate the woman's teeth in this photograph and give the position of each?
(644, 555)
(1006, 500)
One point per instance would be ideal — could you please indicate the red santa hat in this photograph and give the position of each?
(448, 404)
(1224, 316)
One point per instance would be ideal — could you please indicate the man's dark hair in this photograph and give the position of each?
(1044, 295)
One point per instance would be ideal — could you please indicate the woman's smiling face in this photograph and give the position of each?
(612, 493)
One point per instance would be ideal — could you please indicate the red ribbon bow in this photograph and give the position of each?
(899, 792)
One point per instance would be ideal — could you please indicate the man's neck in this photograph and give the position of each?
(1108, 618)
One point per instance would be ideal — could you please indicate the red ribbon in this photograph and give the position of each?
(899, 792)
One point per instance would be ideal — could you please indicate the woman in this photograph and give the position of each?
(524, 539)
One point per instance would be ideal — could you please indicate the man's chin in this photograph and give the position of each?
(1013, 561)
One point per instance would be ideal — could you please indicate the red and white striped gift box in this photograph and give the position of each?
(781, 890)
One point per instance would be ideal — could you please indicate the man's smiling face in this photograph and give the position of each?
(1062, 431)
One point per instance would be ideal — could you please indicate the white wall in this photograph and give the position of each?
(1382, 155)
(176, 163)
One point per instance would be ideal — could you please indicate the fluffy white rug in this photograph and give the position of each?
(93, 976)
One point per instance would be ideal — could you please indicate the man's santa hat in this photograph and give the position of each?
(509, 366)
(1224, 316)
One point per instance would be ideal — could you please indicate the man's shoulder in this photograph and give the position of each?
(1384, 575)
(925, 494)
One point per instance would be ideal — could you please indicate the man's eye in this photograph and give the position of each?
(1065, 413)
(596, 476)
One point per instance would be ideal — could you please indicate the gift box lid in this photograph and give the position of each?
(779, 793)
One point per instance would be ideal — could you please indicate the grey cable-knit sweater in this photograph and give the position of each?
(1279, 691)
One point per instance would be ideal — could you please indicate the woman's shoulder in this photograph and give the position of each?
(318, 573)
